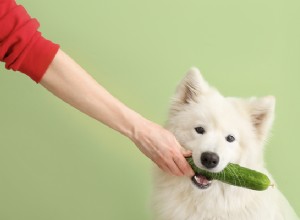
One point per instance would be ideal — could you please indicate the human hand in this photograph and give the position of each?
(155, 142)
(162, 148)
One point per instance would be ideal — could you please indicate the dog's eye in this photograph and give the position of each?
(230, 138)
(200, 130)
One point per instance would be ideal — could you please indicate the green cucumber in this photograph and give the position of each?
(236, 175)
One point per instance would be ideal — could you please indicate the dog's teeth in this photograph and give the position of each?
(197, 179)
(201, 180)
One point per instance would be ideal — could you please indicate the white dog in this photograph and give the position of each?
(218, 130)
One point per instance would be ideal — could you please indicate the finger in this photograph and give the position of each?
(184, 166)
(174, 169)
(185, 152)
(167, 164)
(163, 166)
(165, 169)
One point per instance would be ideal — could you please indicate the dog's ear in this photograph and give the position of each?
(262, 115)
(191, 87)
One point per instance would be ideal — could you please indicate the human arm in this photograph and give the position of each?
(23, 49)
(71, 83)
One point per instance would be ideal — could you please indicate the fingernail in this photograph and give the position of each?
(186, 152)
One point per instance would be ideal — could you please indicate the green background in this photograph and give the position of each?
(58, 164)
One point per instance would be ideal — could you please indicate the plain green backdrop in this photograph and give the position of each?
(58, 164)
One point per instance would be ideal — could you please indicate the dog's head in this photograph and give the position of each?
(219, 130)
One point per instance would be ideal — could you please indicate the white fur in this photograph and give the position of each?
(249, 121)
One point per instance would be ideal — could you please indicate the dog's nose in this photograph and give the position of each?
(209, 159)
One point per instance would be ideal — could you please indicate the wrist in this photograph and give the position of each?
(137, 129)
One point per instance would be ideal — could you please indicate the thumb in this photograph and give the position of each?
(185, 152)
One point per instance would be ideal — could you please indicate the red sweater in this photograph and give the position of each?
(22, 47)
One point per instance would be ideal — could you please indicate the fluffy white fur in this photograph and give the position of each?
(249, 121)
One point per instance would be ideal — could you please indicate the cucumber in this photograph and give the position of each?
(236, 175)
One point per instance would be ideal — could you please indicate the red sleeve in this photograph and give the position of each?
(22, 47)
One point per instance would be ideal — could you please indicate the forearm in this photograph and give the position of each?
(68, 81)
(23, 48)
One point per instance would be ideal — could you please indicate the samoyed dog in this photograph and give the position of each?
(218, 130)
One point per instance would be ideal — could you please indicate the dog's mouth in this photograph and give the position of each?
(202, 182)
